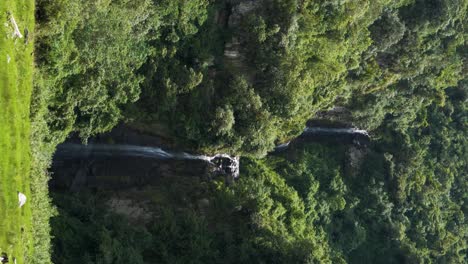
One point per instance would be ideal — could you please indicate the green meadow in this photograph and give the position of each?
(16, 82)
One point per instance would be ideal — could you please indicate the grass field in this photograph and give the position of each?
(16, 82)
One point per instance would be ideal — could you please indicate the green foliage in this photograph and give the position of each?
(183, 239)
(85, 233)
(387, 31)
(430, 177)
(260, 219)
(399, 67)
(416, 55)
(405, 203)
(415, 177)
(281, 225)
(224, 120)
(296, 63)
(296, 58)
(300, 57)
(89, 53)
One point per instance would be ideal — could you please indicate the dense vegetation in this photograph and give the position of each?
(402, 203)
(294, 58)
(239, 77)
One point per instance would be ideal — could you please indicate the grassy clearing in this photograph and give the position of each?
(17, 225)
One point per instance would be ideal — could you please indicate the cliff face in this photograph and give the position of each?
(120, 172)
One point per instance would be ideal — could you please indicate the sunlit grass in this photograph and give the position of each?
(16, 73)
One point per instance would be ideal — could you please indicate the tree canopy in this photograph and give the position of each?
(240, 77)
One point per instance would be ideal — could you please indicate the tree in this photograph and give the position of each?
(89, 56)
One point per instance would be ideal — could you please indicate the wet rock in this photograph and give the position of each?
(226, 165)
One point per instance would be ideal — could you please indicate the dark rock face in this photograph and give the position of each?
(116, 166)
(120, 172)
(329, 132)
(125, 158)
(123, 134)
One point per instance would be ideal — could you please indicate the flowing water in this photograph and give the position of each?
(223, 162)
(98, 164)
(325, 130)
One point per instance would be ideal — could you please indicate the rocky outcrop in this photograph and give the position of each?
(134, 211)
(232, 49)
(355, 155)
(336, 114)
(240, 9)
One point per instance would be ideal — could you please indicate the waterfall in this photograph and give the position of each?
(316, 130)
(325, 131)
(282, 146)
(222, 162)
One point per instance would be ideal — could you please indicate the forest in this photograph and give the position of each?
(241, 77)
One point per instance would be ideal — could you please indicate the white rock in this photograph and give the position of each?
(17, 32)
(21, 199)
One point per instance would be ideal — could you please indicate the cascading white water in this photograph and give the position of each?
(314, 130)
(78, 150)
(282, 146)
(222, 162)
